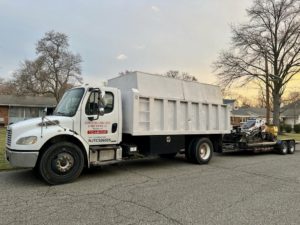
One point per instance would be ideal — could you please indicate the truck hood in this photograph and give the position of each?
(44, 129)
(31, 124)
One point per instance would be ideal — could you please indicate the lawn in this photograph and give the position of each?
(3, 163)
(290, 135)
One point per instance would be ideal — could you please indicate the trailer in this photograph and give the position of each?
(135, 114)
(260, 139)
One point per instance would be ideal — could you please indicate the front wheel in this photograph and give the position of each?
(61, 163)
(201, 151)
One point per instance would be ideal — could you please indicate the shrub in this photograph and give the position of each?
(297, 128)
(288, 128)
(281, 127)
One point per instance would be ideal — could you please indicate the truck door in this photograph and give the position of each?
(103, 129)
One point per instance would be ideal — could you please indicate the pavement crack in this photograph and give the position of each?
(47, 191)
(145, 207)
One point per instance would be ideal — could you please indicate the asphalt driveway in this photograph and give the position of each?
(232, 189)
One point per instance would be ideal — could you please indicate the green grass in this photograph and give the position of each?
(289, 135)
(3, 163)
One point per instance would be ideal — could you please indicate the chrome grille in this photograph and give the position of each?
(8, 137)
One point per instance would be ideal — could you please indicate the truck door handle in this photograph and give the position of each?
(114, 127)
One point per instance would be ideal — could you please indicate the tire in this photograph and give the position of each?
(283, 148)
(168, 156)
(201, 151)
(291, 147)
(61, 163)
(36, 172)
(189, 150)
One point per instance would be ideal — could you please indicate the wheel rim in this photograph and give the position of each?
(292, 147)
(63, 162)
(204, 151)
(284, 148)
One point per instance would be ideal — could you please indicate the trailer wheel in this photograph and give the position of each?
(283, 148)
(291, 147)
(61, 163)
(202, 151)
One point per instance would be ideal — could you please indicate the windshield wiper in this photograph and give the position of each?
(60, 114)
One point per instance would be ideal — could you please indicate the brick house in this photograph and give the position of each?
(16, 108)
(239, 115)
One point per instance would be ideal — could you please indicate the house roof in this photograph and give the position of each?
(29, 101)
(291, 110)
(249, 112)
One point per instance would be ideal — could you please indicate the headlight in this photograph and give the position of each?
(27, 140)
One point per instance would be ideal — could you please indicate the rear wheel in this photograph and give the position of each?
(291, 147)
(189, 150)
(61, 163)
(283, 148)
(201, 151)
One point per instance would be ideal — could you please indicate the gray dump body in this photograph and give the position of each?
(157, 105)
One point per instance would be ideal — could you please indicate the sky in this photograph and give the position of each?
(116, 35)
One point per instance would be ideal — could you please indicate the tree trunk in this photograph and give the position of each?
(276, 109)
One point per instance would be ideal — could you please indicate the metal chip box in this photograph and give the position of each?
(158, 105)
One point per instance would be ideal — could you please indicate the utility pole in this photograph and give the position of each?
(294, 114)
(267, 91)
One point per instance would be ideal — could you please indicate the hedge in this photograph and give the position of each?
(297, 128)
(288, 128)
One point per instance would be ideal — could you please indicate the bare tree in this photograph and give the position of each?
(173, 74)
(184, 75)
(262, 96)
(240, 100)
(6, 88)
(53, 71)
(125, 72)
(268, 44)
(292, 97)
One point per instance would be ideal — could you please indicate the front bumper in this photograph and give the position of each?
(21, 158)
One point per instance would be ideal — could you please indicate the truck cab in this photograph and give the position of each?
(59, 146)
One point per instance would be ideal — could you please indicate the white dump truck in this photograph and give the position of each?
(134, 114)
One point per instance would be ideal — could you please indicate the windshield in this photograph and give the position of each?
(69, 103)
(249, 124)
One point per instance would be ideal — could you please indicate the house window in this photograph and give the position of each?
(31, 112)
(24, 112)
(16, 112)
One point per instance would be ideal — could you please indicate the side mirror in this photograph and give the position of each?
(101, 111)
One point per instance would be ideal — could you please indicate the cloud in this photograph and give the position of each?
(121, 57)
(140, 47)
(155, 8)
